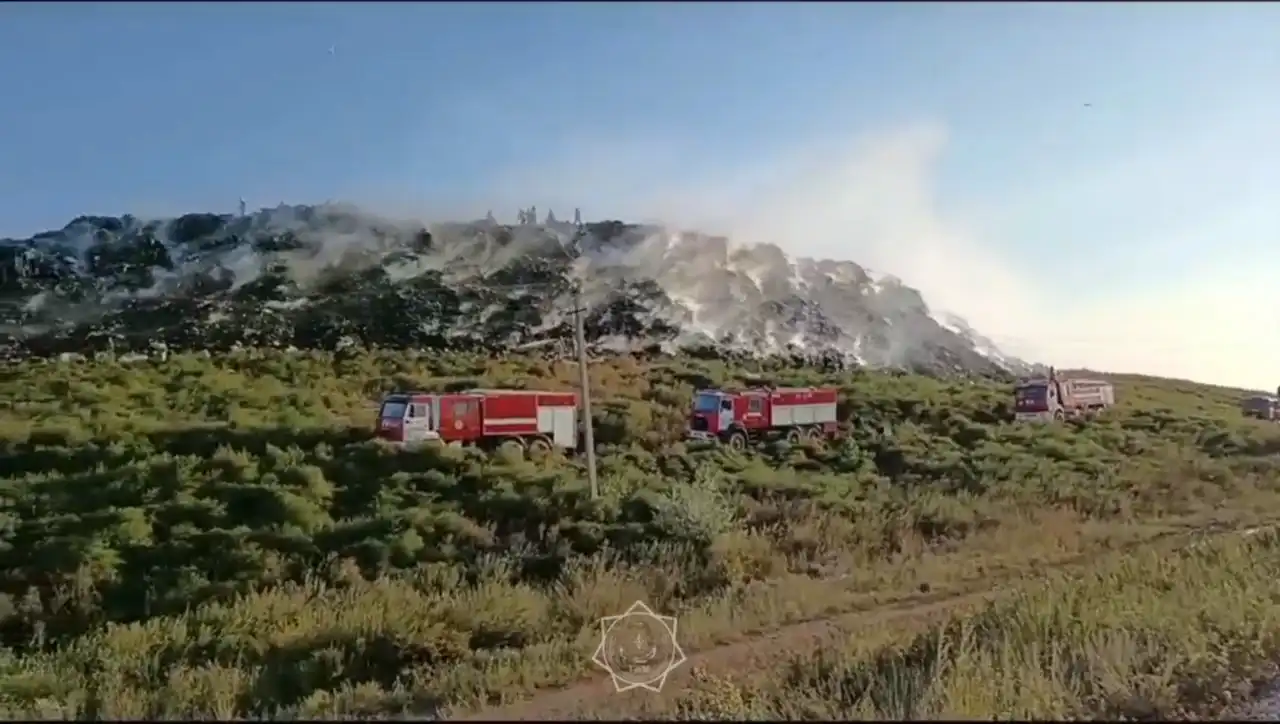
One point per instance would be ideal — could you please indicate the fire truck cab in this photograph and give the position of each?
(409, 418)
(538, 421)
(739, 417)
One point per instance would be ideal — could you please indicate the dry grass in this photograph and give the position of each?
(418, 643)
(1152, 635)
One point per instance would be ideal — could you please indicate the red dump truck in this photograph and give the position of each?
(738, 418)
(1052, 398)
(525, 419)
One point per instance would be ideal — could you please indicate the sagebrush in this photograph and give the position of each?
(219, 536)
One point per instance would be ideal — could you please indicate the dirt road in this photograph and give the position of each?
(598, 696)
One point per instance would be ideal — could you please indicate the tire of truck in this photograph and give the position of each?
(512, 446)
(794, 436)
(540, 447)
(1059, 416)
(816, 435)
(736, 441)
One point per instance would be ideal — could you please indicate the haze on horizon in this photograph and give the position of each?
(1088, 184)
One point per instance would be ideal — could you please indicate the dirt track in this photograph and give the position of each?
(598, 696)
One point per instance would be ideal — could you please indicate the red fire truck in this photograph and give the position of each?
(758, 414)
(525, 419)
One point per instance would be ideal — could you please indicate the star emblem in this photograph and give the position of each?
(638, 648)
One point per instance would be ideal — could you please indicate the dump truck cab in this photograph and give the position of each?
(1262, 407)
(1035, 399)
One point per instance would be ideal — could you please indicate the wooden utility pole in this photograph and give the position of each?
(584, 376)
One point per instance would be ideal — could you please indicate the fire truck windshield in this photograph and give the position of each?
(706, 403)
(393, 410)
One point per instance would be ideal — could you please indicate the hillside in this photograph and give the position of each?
(218, 536)
(324, 277)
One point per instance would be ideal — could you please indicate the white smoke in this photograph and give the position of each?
(872, 199)
(866, 201)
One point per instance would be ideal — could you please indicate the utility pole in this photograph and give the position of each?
(584, 379)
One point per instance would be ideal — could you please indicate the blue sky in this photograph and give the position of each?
(955, 137)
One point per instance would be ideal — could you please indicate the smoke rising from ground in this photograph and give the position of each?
(872, 199)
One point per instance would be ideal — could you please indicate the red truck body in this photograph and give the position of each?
(739, 417)
(486, 418)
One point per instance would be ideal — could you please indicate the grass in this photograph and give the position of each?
(1148, 636)
(220, 537)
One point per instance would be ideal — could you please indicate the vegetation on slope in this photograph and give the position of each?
(217, 536)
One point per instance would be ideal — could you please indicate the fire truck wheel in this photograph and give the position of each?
(1058, 416)
(737, 441)
(539, 447)
(512, 446)
(815, 434)
(793, 436)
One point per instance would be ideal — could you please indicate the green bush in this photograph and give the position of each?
(143, 501)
